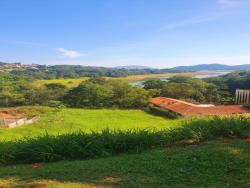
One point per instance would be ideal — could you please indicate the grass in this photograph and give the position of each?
(69, 82)
(67, 120)
(84, 145)
(133, 78)
(211, 164)
(164, 164)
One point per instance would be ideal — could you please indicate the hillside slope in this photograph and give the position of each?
(212, 164)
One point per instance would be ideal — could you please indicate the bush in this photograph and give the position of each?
(82, 145)
(162, 112)
(57, 104)
(247, 106)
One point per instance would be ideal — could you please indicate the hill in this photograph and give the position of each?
(132, 67)
(212, 67)
(36, 71)
(76, 71)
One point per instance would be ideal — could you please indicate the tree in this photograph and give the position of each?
(89, 95)
(97, 93)
(154, 84)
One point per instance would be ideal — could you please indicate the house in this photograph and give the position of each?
(186, 109)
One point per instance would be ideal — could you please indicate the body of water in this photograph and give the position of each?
(210, 74)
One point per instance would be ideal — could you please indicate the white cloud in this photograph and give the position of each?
(70, 53)
(231, 3)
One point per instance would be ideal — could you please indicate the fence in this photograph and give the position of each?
(10, 123)
(242, 96)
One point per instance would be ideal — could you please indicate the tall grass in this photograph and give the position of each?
(82, 145)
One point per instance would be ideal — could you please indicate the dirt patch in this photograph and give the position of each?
(10, 113)
(20, 112)
(189, 142)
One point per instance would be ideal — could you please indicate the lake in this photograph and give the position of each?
(209, 74)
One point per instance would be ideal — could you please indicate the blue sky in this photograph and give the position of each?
(155, 33)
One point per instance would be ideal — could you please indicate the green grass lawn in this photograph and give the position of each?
(70, 120)
(211, 164)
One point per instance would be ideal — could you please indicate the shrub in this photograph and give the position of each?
(57, 104)
(82, 145)
(162, 112)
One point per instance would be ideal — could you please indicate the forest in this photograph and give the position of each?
(74, 71)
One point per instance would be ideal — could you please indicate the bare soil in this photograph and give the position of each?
(11, 113)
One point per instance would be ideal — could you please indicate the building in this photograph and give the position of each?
(186, 109)
(242, 96)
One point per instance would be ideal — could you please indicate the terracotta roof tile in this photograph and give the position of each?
(189, 109)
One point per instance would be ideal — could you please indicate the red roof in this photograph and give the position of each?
(188, 109)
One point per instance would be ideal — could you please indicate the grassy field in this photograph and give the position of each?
(133, 78)
(72, 82)
(211, 164)
(69, 82)
(67, 120)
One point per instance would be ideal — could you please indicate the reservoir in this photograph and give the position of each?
(209, 74)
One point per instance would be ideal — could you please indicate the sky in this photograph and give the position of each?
(154, 33)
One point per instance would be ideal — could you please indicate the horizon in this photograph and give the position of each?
(159, 34)
(124, 66)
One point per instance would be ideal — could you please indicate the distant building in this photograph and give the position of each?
(186, 109)
(242, 96)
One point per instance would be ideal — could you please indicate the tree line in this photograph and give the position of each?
(115, 93)
(93, 93)
(76, 71)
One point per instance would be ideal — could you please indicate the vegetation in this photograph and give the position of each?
(76, 71)
(93, 93)
(162, 112)
(105, 143)
(231, 82)
(247, 106)
(187, 88)
(56, 121)
(100, 93)
(118, 93)
(73, 82)
(143, 77)
(11, 90)
(67, 82)
(217, 90)
(211, 164)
